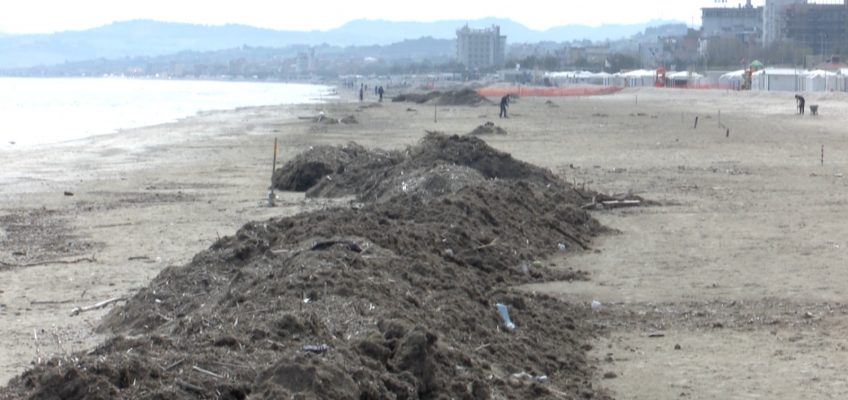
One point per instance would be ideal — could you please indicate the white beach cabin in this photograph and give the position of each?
(779, 80)
(683, 79)
(732, 80)
(638, 78)
(823, 81)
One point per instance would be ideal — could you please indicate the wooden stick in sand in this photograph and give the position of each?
(273, 168)
(205, 372)
(104, 303)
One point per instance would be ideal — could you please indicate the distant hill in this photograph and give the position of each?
(152, 38)
(256, 62)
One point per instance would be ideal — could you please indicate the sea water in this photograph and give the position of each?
(51, 110)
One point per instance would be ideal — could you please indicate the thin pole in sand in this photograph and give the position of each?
(822, 158)
(696, 123)
(271, 195)
(435, 113)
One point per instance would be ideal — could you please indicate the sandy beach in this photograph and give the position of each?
(730, 287)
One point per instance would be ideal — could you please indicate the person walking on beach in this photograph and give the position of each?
(380, 91)
(361, 93)
(800, 100)
(504, 106)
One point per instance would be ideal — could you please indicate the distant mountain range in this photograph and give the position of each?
(152, 38)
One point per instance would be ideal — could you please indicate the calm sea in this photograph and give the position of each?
(36, 111)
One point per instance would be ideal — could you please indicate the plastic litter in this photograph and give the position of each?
(505, 316)
(523, 376)
(596, 305)
(317, 349)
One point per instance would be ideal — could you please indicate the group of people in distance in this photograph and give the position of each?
(378, 91)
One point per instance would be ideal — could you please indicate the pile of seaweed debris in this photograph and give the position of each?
(439, 164)
(395, 299)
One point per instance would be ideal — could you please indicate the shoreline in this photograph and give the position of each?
(79, 108)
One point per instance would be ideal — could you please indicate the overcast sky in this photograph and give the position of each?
(42, 16)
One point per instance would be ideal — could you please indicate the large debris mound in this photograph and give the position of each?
(448, 162)
(394, 300)
(459, 97)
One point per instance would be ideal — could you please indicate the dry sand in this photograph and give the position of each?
(740, 266)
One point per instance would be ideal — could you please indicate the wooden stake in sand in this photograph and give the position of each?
(696, 123)
(271, 195)
(435, 114)
(822, 158)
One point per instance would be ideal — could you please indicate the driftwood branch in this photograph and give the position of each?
(579, 193)
(612, 204)
(203, 371)
(36, 264)
(104, 303)
(173, 365)
(481, 247)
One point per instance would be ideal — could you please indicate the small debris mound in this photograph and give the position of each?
(367, 174)
(418, 98)
(551, 104)
(489, 128)
(309, 168)
(369, 105)
(461, 97)
(325, 120)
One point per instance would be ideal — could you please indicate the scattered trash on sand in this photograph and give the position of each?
(504, 312)
(596, 305)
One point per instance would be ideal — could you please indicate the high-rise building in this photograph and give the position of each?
(480, 48)
(821, 27)
(774, 20)
(742, 22)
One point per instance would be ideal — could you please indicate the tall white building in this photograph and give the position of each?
(480, 48)
(740, 22)
(773, 19)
